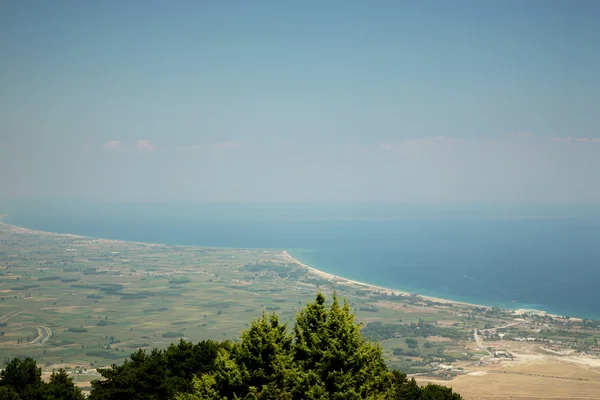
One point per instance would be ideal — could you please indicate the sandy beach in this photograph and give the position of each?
(368, 286)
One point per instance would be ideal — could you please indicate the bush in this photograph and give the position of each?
(161, 309)
(49, 278)
(179, 281)
(173, 334)
(133, 296)
(369, 309)
(77, 330)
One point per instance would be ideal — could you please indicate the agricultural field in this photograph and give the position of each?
(84, 303)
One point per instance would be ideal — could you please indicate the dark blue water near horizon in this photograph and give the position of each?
(539, 258)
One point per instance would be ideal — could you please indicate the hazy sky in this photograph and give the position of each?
(425, 101)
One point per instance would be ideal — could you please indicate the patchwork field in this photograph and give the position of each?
(85, 303)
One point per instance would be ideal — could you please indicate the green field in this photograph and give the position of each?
(85, 303)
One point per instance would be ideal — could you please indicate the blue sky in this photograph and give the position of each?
(420, 102)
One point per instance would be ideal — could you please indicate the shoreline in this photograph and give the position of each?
(289, 258)
(396, 292)
(369, 286)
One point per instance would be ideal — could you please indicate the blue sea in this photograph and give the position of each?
(542, 257)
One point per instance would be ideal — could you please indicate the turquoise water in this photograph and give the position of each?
(544, 258)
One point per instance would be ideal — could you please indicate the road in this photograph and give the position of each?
(480, 343)
(44, 334)
(512, 324)
(10, 315)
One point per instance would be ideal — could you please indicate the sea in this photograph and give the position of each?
(544, 257)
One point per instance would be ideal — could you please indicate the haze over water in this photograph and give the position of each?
(535, 257)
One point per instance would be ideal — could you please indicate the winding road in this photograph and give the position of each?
(44, 334)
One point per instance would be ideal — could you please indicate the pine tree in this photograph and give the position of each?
(333, 354)
(61, 387)
(260, 366)
(23, 377)
(159, 374)
(326, 358)
(264, 354)
(23, 380)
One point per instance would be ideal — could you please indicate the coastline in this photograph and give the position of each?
(290, 259)
(376, 288)
(368, 286)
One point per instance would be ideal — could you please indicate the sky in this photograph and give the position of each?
(305, 101)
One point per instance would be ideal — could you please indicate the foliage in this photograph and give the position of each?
(21, 375)
(325, 357)
(61, 387)
(77, 330)
(22, 380)
(380, 331)
(158, 374)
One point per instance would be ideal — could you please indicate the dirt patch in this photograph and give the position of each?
(446, 322)
(41, 298)
(438, 339)
(407, 309)
(539, 378)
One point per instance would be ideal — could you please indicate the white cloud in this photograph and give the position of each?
(145, 145)
(113, 144)
(87, 148)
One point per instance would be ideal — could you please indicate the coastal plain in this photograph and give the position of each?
(85, 303)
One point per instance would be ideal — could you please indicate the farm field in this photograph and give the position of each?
(83, 303)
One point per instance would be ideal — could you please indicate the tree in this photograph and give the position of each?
(23, 378)
(438, 392)
(159, 374)
(61, 387)
(265, 355)
(8, 393)
(401, 388)
(325, 358)
(260, 366)
(333, 355)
